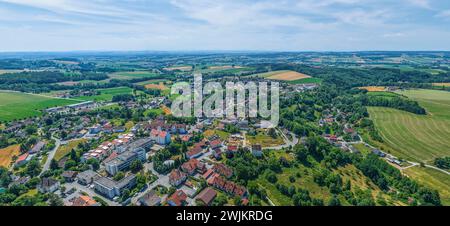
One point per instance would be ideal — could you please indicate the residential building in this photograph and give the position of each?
(48, 185)
(150, 199)
(160, 136)
(257, 150)
(37, 147)
(84, 200)
(178, 198)
(87, 177)
(207, 196)
(176, 177)
(69, 176)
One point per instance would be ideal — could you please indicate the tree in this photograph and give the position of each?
(136, 166)
(334, 201)
(119, 176)
(33, 168)
(55, 200)
(53, 164)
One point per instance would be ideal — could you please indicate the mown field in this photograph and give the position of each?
(16, 105)
(132, 74)
(416, 137)
(7, 154)
(106, 94)
(432, 178)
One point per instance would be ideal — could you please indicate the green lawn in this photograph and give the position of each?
(106, 94)
(16, 105)
(416, 137)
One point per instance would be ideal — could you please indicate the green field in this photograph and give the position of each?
(433, 179)
(133, 74)
(416, 137)
(16, 105)
(106, 94)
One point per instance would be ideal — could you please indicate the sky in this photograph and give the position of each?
(189, 25)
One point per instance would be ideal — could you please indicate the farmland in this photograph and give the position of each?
(284, 75)
(180, 68)
(159, 86)
(373, 88)
(432, 178)
(446, 84)
(416, 137)
(133, 74)
(7, 154)
(106, 94)
(16, 105)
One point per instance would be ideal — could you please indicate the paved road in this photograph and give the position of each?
(51, 154)
(88, 191)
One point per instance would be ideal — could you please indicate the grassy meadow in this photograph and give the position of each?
(16, 105)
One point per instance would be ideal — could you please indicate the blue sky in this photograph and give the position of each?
(280, 25)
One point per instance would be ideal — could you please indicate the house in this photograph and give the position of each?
(217, 143)
(110, 188)
(160, 136)
(192, 166)
(217, 153)
(257, 150)
(37, 147)
(176, 177)
(87, 177)
(223, 170)
(84, 200)
(150, 199)
(48, 185)
(206, 196)
(195, 152)
(227, 186)
(69, 176)
(178, 198)
(23, 159)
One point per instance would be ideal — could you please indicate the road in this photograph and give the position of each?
(88, 191)
(410, 162)
(50, 156)
(287, 142)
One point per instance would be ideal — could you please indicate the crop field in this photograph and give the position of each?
(181, 68)
(106, 94)
(373, 88)
(7, 154)
(433, 179)
(445, 84)
(284, 75)
(416, 137)
(16, 105)
(132, 74)
(159, 86)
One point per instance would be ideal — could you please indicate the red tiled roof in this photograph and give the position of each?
(178, 197)
(22, 157)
